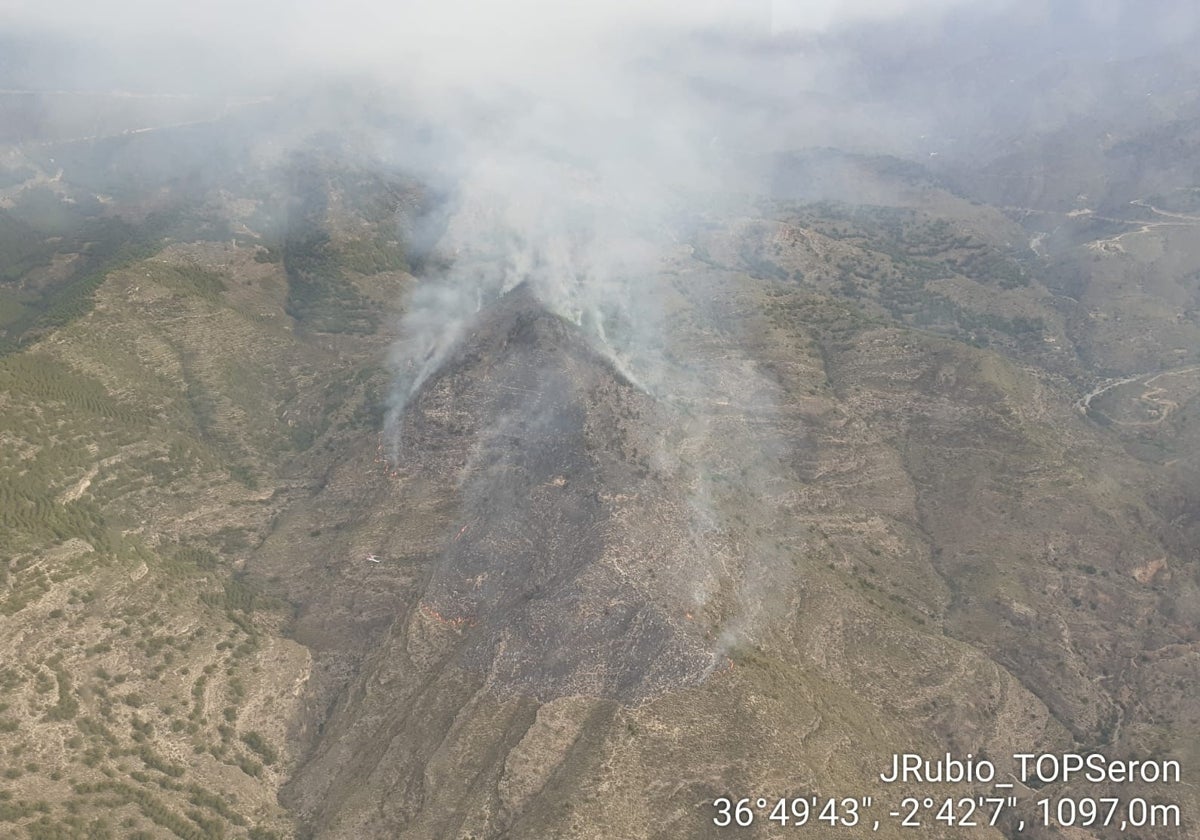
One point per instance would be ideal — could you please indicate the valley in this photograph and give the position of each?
(316, 522)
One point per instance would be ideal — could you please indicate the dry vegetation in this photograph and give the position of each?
(149, 444)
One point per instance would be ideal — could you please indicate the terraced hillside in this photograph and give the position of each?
(913, 543)
(152, 434)
(887, 493)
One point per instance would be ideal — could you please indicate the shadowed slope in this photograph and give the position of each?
(548, 575)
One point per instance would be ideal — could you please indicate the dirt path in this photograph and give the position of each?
(1111, 242)
(1085, 403)
(1140, 203)
(1150, 393)
(74, 493)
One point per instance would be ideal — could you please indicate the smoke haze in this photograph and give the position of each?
(577, 147)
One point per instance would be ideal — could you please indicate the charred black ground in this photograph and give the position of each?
(540, 548)
(523, 425)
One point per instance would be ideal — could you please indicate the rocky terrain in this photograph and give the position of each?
(917, 474)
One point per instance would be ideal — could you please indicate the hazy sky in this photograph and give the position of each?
(224, 18)
(438, 38)
(265, 43)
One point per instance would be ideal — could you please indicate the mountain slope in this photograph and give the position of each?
(876, 494)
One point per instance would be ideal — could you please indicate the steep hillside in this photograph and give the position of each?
(899, 479)
(909, 543)
(152, 433)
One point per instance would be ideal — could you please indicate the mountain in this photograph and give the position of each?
(901, 461)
